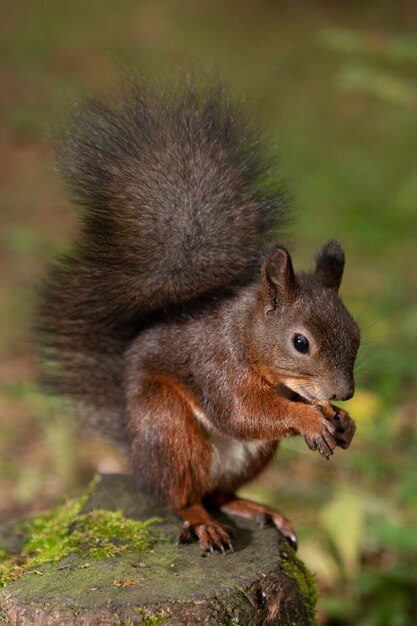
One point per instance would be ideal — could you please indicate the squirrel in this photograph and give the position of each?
(177, 323)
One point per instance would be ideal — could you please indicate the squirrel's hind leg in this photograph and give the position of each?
(231, 503)
(171, 456)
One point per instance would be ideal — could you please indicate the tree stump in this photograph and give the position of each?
(261, 582)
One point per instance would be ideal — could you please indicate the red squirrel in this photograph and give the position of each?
(177, 323)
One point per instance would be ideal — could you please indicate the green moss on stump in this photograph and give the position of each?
(306, 584)
(65, 530)
(157, 619)
(110, 578)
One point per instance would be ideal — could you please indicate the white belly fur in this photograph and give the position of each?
(230, 456)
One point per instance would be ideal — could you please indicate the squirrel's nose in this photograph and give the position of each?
(344, 394)
(348, 395)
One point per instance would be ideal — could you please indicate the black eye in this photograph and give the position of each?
(300, 343)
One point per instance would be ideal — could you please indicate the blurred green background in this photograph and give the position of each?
(336, 85)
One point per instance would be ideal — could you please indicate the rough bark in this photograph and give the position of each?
(261, 582)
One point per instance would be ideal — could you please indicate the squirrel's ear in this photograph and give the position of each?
(330, 261)
(277, 277)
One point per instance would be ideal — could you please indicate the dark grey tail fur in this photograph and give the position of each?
(175, 208)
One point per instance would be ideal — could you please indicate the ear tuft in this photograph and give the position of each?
(330, 262)
(278, 277)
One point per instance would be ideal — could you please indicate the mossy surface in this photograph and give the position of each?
(148, 619)
(65, 530)
(132, 585)
(295, 569)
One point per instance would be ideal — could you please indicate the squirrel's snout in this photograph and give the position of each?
(344, 394)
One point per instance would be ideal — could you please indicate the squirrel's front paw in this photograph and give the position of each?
(345, 427)
(323, 438)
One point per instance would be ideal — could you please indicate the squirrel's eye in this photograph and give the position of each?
(300, 343)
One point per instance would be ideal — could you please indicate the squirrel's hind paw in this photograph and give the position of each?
(211, 537)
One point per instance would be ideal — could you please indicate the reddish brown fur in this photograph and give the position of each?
(171, 452)
(193, 379)
(170, 323)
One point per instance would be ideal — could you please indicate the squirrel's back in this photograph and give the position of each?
(176, 204)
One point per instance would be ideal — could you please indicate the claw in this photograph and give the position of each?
(288, 535)
(292, 540)
(186, 534)
(211, 538)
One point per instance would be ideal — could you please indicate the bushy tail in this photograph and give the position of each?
(175, 205)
